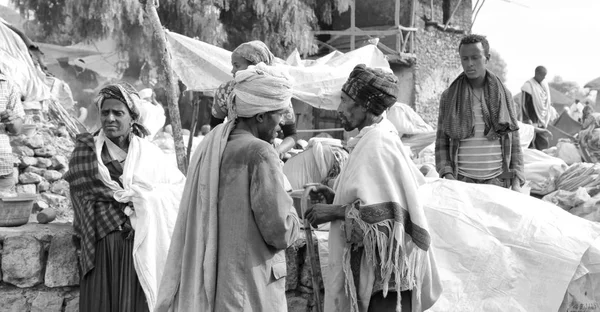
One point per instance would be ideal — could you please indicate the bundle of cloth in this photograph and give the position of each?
(321, 162)
(589, 137)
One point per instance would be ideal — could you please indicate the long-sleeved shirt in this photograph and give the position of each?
(446, 151)
(257, 222)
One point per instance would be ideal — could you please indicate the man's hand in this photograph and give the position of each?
(322, 194)
(8, 117)
(323, 213)
(449, 176)
(516, 185)
(11, 121)
(543, 132)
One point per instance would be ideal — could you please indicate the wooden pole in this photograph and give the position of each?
(399, 40)
(413, 9)
(170, 83)
(352, 24)
(451, 15)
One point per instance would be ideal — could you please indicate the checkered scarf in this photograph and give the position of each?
(498, 113)
(372, 87)
(97, 213)
(126, 94)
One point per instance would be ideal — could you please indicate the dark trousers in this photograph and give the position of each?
(388, 304)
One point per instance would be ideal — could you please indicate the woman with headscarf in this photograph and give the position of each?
(246, 54)
(125, 207)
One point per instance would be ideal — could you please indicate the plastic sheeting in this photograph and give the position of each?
(17, 65)
(203, 67)
(498, 250)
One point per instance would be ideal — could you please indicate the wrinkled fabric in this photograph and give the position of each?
(456, 109)
(261, 89)
(255, 52)
(246, 236)
(379, 174)
(372, 87)
(155, 195)
(540, 96)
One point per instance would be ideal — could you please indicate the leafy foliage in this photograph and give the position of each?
(283, 25)
(497, 65)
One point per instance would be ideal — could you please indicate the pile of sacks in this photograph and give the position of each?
(40, 157)
(578, 191)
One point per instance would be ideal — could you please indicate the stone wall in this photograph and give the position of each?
(438, 63)
(40, 159)
(39, 270)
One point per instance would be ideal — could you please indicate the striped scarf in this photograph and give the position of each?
(457, 109)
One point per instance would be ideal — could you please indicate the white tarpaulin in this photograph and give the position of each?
(17, 65)
(203, 67)
(499, 250)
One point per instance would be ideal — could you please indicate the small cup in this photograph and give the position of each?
(46, 216)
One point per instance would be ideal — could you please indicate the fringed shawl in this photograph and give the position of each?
(384, 214)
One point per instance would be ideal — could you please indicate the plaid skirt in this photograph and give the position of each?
(112, 285)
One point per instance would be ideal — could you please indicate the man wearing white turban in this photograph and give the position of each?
(245, 55)
(236, 218)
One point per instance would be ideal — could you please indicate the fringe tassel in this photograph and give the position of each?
(408, 269)
(349, 287)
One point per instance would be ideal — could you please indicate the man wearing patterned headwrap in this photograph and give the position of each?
(236, 218)
(247, 54)
(477, 139)
(379, 245)
(125, 194)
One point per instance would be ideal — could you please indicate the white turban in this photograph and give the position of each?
(261, 89)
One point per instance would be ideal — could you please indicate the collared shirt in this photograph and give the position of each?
(10, 99)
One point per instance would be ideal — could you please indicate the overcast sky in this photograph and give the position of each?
(562, 35)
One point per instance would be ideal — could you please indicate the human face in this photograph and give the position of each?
(115, 118)
(351, 114)
(269, 124)
(238, 63)
(540, 75)
(474, 60)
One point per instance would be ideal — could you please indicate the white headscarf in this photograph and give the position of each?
(261, 89)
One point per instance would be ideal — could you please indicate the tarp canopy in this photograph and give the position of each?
(593, 85)
(100, 56)
(19, 67)
(203, 67)
(53, 52)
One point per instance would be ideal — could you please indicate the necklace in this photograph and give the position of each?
(480, 99)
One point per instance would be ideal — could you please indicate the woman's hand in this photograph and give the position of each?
(322, 194)
(323, 213)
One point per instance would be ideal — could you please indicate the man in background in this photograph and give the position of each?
(477, 139)
(535, 96)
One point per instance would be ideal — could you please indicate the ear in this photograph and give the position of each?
(260, 117)
(488, 57)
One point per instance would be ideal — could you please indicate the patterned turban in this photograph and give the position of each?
(261, 89)
(372, 87)
(255, 52)
(126, 94)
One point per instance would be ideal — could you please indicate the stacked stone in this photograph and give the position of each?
(41, 160)
(48, 280)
